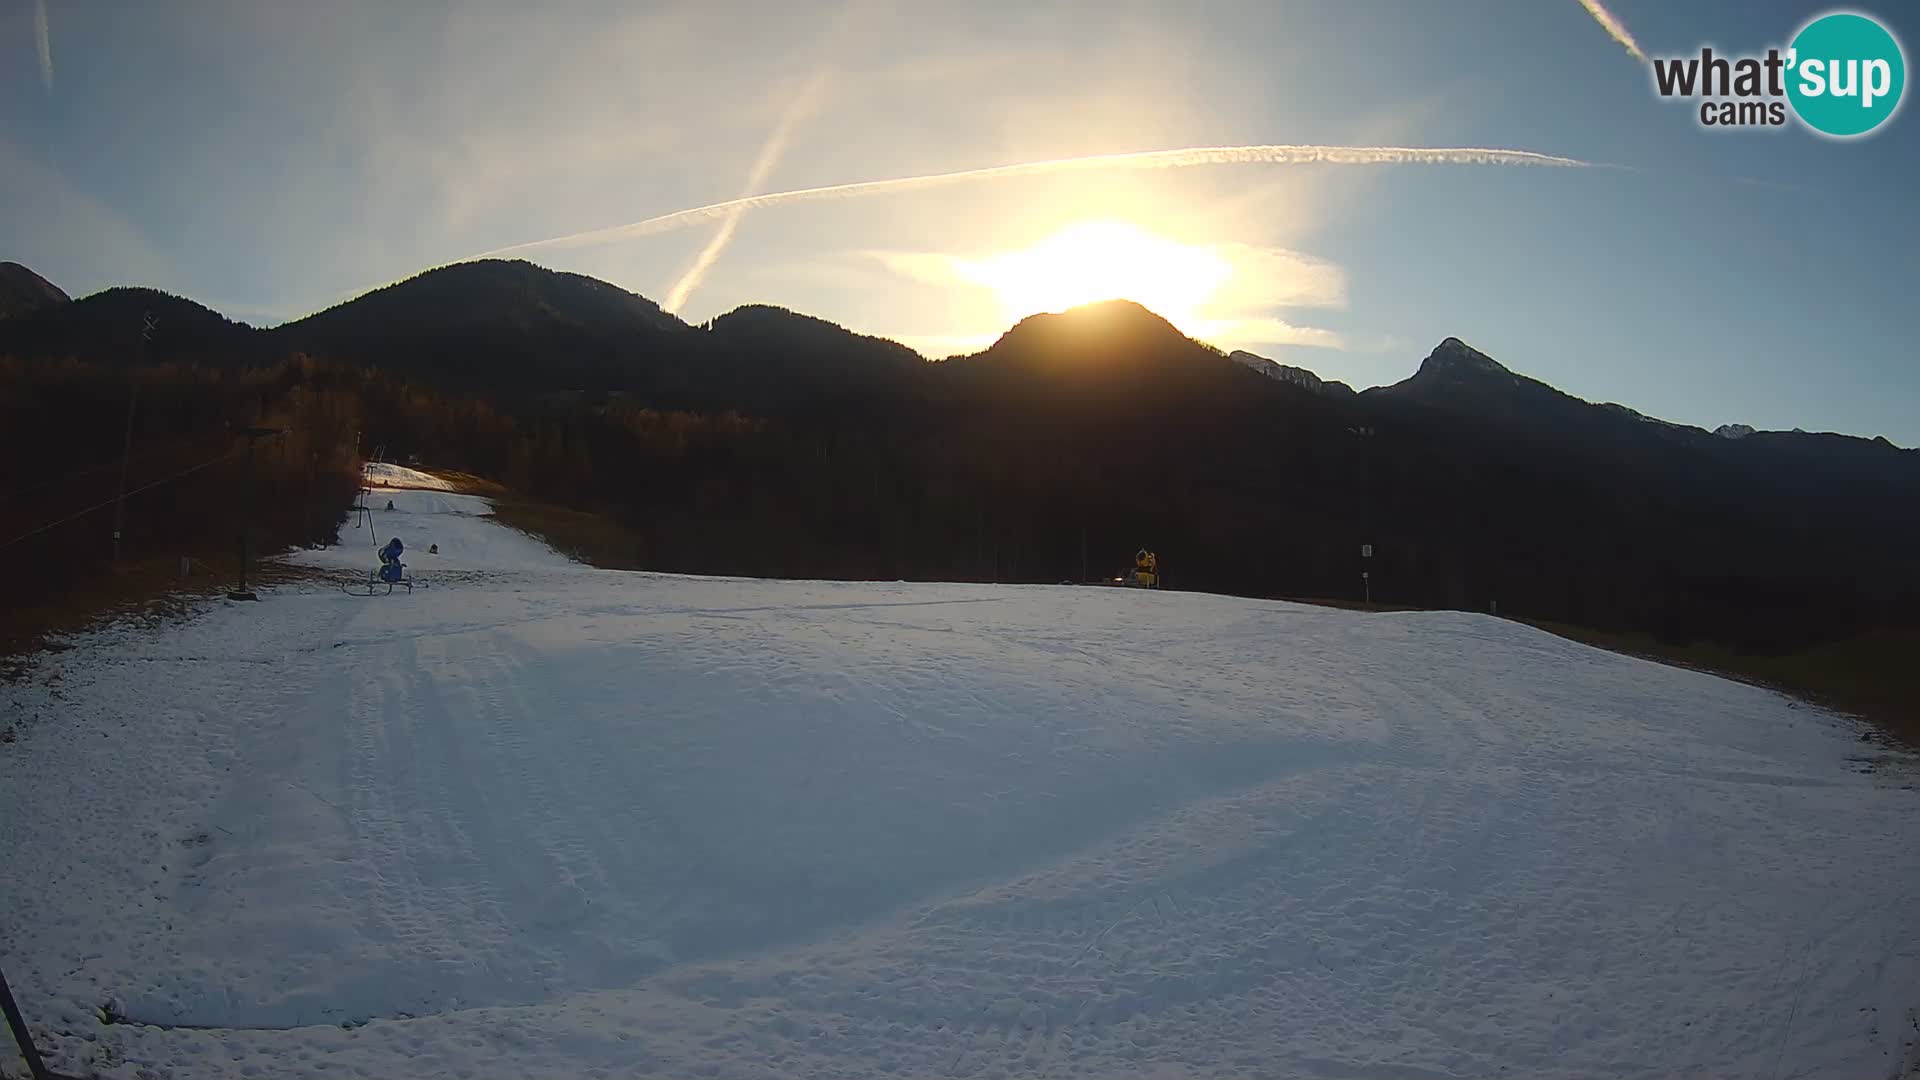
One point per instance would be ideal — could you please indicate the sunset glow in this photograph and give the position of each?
(1103, 260)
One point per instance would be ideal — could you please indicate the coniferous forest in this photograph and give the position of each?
(770, 443)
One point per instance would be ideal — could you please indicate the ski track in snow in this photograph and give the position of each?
(542, 820)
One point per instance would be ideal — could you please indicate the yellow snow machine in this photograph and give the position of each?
(1146, 571)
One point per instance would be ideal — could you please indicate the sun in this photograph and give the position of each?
(1103, 260)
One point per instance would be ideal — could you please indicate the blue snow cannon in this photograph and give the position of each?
(390, 568)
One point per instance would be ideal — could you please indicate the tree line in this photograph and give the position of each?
(769, 443)
(76, 435)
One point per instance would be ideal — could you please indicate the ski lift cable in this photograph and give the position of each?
(109, 502)
(144, 455)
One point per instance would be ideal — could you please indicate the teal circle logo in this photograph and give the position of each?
(1846, 74)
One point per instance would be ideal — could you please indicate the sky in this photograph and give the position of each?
(270, 160)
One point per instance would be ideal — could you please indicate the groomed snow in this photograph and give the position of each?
(461, 526)
(541, 820)
(382, 474)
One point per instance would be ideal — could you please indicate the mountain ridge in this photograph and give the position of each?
(23, 291)
(1472, 483)
(524, 316)
(1298, 376)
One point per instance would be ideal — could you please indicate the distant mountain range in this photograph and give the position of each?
(1472, 481)
(498, 322)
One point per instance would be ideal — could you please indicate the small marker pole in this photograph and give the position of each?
(147, 326)
(20, 1033)
(253, 434)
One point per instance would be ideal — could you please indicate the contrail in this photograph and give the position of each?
(1141, 160)
(44, 42)
(1614, 28)
(756, 179)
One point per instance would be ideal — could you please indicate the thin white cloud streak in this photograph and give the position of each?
(44, 41)
(1614, 28)
(1143, 160)
(683, 289)
(1242, 333)
(770, 154)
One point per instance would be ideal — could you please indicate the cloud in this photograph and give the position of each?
(1614, 28)
(1276, 277)
(1191, 157)
(1236, 308)
(44, 42)
(1243, 333)
(770, 153)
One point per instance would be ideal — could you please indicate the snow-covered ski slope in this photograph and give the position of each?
(461, 526)
(547, 821)
(385, 475)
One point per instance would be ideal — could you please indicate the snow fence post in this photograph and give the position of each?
(20, 1033)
